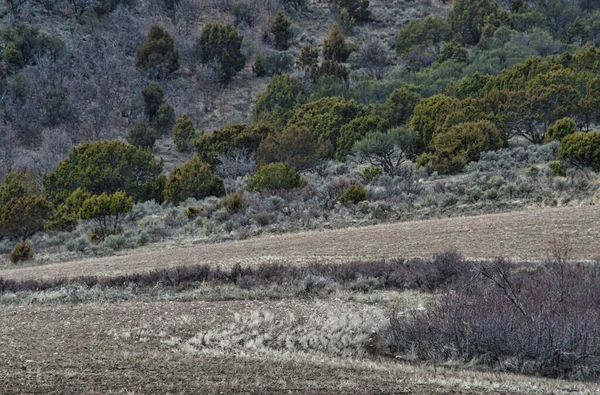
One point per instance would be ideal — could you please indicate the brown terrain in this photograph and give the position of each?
(140, 347)
(517, 235)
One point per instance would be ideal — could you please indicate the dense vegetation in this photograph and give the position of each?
(451, 113)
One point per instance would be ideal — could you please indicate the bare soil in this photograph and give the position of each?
(519, 235)
(122, 348)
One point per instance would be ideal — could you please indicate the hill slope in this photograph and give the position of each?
(519, 235)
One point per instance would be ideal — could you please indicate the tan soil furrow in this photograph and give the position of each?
(517, 235)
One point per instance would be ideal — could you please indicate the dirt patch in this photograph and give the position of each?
(126, 348)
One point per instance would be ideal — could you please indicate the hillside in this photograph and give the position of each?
(522, 236)
(300, 196)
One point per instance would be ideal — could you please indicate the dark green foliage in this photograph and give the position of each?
(558, 169)
(462, 144)
(273, 63)
(18, 185)
(431, 30)
(157, 56)
(220, 47)
(399, 106)
(430, 115)
(153, 95)
(329, 68)
(242, 14)
(21, 218)
(280, 29)
(387, 150)
(193, 179)
(107, 211)
(357, 9)
(141, 135)
(325, 118)
(453, 51)
(308, 57)
(560, 129)
(105, 166)
(184, 134)
(276, 104)
(356, 129)
(66, 215)
(233, 203)
(355, 193)
(260, 66)
(581, 150)
(230, 138)
(294, 146)
(370, 173)
(21, 253)
(164, 119)
(274, 177)
(470, 19)
(335, 47)
(30, 42)
(13, 57)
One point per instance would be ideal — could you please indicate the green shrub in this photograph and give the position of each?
(153, 95)
(233, 203)
(356, 9)
(193, 179)
(107, 211)
(353, 195)
(106, 167)
(294, 146)
(581, 150)
(229, 139)
(21, 253)
(18, 185)
(430, 30)
(157, 56)
(274, 177)
(277, 102)
(142, 136)
(280, 29)
(335, 47)
(193, 212)
(308, 57)
(558, 169)
(259, 67)
(462, 144)
(220, 46)
(164, 119)
(399, 106)
(325, 118)
(560, 129)
(184, 134)
(21, 218)
(370, 173)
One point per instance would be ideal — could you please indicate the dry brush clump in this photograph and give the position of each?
(519, 318)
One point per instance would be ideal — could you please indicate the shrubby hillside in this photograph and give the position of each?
(130, 122)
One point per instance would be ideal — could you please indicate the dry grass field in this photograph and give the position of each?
(517, 235)
(246, 344)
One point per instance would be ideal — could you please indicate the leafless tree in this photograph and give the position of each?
(373, 57)
(207, 85)
(233, 164)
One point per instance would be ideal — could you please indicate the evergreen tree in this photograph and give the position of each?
(308, 57)
(184, 134)
(280, 29)
(335, 47)
(220, 46)
(141, 135)
(157, 56)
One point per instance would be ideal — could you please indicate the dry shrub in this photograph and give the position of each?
(540, 322)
